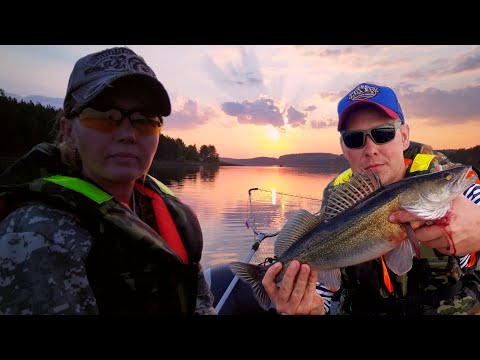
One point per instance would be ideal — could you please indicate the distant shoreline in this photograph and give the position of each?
(169, 163)
(329, 162)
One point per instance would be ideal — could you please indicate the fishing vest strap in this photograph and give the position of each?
(163, 188)
(386, 278)
(166, 226)
(81, 186)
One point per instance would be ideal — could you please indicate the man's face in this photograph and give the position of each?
(384, 159)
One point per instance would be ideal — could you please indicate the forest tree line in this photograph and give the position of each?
(25, 124)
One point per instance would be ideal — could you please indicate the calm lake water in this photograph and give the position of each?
(220, 198)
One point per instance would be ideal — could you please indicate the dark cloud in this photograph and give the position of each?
(311, 108)
(189, 115)
(455, 106)
(295, 117)
(264, 112)
(258, 112)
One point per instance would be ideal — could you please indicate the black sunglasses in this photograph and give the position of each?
(379, 134)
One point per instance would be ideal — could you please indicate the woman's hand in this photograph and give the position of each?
(297, 293)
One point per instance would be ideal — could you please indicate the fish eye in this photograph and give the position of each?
(448, 176)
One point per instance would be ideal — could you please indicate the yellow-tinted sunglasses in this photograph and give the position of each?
(109, 120)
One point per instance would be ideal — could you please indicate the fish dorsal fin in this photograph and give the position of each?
(300, 223)
(347, 194)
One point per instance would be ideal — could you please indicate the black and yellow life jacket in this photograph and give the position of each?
(372, 288)
(131, 268)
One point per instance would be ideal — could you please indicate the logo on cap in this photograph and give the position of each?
(95, 72)
(363, 92)
(117, 60)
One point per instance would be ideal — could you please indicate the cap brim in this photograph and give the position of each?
(160, 98)
(390, 113)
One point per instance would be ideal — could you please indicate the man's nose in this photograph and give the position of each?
(370, 146)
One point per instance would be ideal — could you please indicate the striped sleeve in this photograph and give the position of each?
(472, 194)
(327, 295)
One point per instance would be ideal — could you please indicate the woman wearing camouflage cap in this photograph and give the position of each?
(85, 229)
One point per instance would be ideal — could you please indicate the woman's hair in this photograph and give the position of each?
(68, 153)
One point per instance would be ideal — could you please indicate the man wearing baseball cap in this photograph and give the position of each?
(89, 231)
(381, 96)
(374, 136)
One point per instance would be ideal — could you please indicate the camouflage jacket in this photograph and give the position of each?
(61, 254)
(436, 284)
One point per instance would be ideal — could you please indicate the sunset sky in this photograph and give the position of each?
(271, 100)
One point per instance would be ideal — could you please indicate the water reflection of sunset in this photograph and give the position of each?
(274, 196)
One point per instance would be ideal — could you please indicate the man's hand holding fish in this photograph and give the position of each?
(295, 295)
(456, 234)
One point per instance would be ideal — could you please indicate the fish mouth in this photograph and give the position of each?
(464, 180)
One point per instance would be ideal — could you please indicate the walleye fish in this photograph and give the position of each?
(354, 227)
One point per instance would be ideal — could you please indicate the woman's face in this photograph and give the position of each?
(115, 154)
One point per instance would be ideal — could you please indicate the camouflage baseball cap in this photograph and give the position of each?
(95, 72)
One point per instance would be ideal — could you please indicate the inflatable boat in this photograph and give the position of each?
(236, 299)
(234, 296)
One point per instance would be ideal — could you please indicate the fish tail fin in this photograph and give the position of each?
(253, 275)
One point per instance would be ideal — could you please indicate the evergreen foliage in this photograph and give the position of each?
(26, 124)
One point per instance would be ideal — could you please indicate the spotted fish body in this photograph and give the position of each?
(354, 228)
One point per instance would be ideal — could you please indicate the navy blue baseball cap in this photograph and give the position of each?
(381, 96)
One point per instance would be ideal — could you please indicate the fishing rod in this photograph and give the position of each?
(259, 237)
(281, 193)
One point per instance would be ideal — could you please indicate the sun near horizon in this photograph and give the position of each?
(273, 134)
